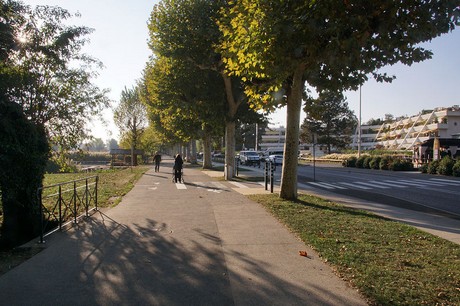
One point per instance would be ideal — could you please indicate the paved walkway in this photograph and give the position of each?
(204, 244)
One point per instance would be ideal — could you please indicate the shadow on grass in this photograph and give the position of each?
(330, 206)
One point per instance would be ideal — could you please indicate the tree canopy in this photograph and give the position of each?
(186, 31)
(330, 119)
(56, 88)
(279, 46)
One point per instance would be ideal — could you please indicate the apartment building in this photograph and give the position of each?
(273, 138)
(405, 133)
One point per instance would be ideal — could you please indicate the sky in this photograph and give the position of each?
(120, 42)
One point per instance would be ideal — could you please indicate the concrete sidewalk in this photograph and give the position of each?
(162, 245)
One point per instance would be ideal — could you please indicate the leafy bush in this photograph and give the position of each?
(445, 166)
(433, 167)
(385, 162)
(424, 168)
(456, 168)
(375, 162)
(400, 165)
(360, 162)
(366, 162)
(350, 161)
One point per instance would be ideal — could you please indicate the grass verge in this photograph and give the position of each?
(389, 262)
(113, 184)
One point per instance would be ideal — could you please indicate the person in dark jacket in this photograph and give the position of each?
(157, 160)
(178, 162)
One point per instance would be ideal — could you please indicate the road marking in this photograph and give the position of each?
(387, 184)
(239, 185)
(180, 186)
(448, 182)
(332, 185)
(430, 182)
(321, 185)
(354, 186)
(405, 183)
(372, 185)
(219, 185)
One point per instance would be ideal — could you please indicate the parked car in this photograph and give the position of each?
(249, 158)
(277, 159)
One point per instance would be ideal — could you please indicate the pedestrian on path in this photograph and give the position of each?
(178, 162)
(157, 160)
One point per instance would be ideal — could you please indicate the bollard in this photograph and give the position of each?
(272, 179)
(42, 229)
(266, 175)
(237, 164)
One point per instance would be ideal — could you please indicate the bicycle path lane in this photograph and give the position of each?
(167, 246)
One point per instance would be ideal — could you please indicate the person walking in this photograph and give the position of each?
(157, 160)
(178, 162)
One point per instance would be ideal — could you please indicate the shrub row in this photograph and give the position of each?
(384, 162)
(445, 166)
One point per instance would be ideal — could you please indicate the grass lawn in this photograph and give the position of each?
(113, 183)
(389, 262)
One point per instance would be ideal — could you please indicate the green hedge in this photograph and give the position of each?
(385, 162)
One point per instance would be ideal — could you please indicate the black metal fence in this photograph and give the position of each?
(63, 203)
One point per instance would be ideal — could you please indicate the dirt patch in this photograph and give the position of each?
(13, 258)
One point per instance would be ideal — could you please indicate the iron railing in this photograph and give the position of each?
(63, 203)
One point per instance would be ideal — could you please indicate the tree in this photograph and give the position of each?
(56, 88)
(112, 144)
(330, 119)
(187, 30)
(373, 121)
(96, 145)
(42, 100)
(279, 46)
(131, 118)
(23, 145)
(185, 102)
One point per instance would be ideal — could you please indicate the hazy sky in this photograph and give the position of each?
(120, 42)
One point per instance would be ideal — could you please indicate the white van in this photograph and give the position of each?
(249, 158)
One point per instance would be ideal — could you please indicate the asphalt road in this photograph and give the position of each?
(411, 190)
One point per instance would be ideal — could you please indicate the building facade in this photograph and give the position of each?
(406, 133)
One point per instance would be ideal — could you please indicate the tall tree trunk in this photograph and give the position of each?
(291, 147)
(229, 170)
(233, 105)
(207, 162)
(187, 152)
(193, 155)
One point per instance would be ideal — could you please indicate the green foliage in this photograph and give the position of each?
(456, 169)
(277, 47)
(375, 162)
(446, 165)
(360, 161)
(350, 162)
(398, 164)
(385, 162)
(23, 154)
(366, 162)
(330, 119)
(130, 116)
(56, 89)
(424, 168)
(433, 167)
